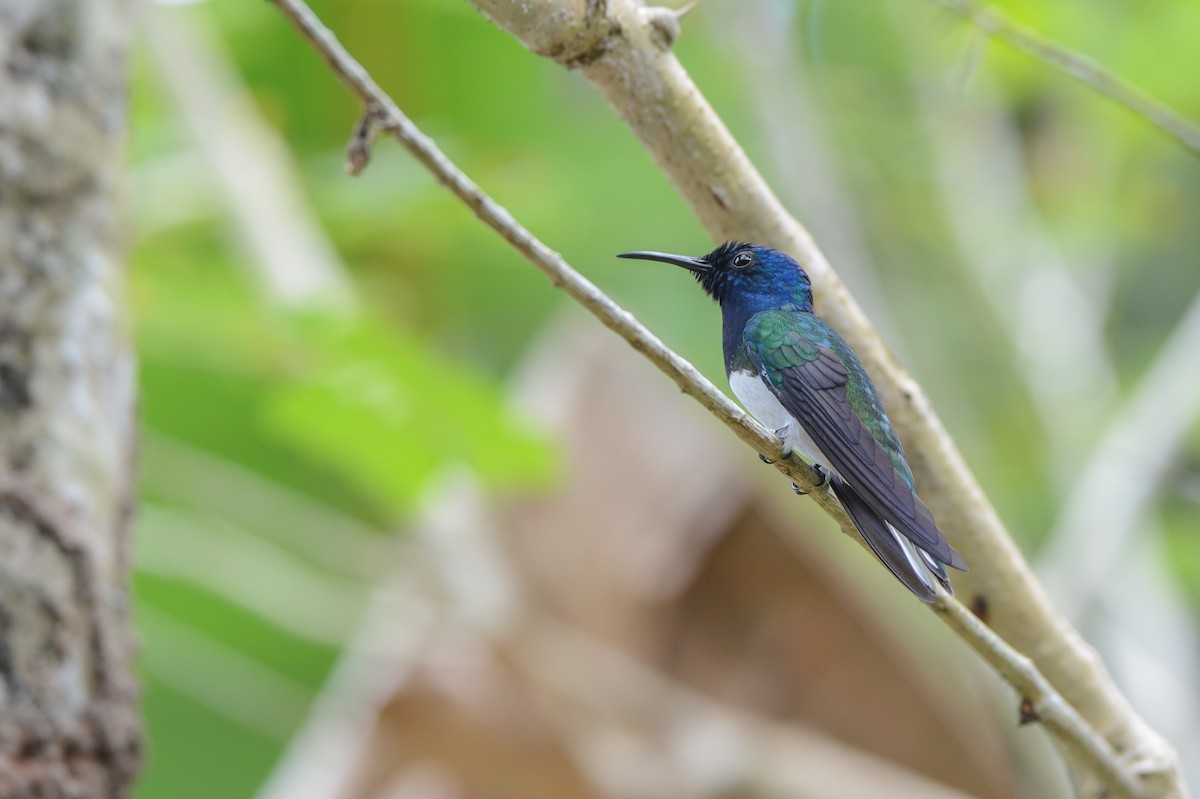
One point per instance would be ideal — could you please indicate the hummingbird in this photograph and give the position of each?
(799, 378)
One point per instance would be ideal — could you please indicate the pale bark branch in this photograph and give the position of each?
(994, 23)
(624, 49)
(69, 722)
(1040, 702)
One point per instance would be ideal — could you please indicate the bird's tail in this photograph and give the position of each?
(912, 566)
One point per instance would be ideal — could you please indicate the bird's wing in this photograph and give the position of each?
(811, 383)
(913, 567)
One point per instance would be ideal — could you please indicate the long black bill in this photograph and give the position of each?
(687, 262)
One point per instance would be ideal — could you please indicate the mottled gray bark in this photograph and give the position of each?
(68, 714)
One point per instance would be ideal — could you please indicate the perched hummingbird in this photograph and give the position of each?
(798, 377)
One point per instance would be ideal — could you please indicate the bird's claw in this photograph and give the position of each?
(765, 459)
(826, 479)
(782, 434)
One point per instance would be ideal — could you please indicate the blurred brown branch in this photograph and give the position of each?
(995, 23)
(620, 49)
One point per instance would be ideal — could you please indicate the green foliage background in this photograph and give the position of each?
(283, 452)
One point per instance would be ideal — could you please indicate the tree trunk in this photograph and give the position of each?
(68, 714)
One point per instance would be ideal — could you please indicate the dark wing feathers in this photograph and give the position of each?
(814, 391)
(826, 371)
(827, 408)
(883, 542)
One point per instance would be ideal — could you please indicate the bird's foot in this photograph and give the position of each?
(826, 479)
(782, 435)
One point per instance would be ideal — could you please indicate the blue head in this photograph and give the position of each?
(744, 278)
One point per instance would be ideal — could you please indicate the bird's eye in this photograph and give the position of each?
(742, 260)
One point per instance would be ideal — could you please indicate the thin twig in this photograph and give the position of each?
(1039, 701)
(382, 111)
(1060, 718)
(1083, 69)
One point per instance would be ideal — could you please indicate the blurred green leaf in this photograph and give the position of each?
(388, 413)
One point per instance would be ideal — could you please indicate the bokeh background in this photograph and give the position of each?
(327, 361)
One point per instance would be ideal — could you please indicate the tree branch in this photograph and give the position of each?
(630, 63)
(624, 49)
(1040, 702)
(381, 114)
(993, 22)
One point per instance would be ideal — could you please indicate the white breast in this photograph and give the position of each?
(754, 395)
